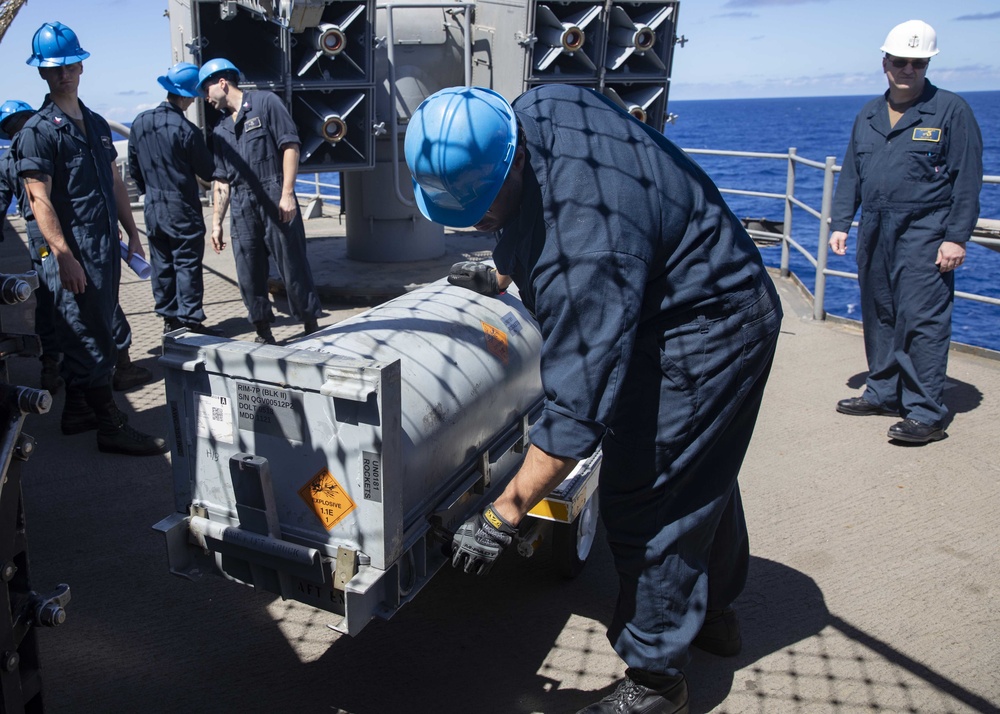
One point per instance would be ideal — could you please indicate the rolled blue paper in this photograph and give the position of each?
(138, 264)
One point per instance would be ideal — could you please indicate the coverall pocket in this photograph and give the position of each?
(681, 365)
(259, 149)
(758, 342)
(863, 152)
(924, 164)
(655, 407)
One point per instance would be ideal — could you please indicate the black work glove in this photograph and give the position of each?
(477, 277)
(480, 540)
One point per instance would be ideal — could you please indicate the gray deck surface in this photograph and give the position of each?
(874, 583)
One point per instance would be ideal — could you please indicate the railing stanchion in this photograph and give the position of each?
(819, 307)
(786, 233)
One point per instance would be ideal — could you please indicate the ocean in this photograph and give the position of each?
(818, 127)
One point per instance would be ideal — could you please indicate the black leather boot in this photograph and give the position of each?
(720, 634)
(128, 374)
(264, 336)
(77, 415)
(114, 435)
(49, 378)
(644, 692)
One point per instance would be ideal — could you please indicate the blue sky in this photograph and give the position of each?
(736, 48)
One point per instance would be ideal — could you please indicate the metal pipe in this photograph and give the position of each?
(813, 164)
(806, 207)
(978, 298)
(804, 251)
(747, 154)
(786, 232)
(758, 194)
(466, 9)
(819, 313)
(829, 167)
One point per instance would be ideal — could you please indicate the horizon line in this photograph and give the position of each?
(812, 96)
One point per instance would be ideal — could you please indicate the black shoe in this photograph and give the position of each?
(114, 435)
(310, 326)
(859, 406)
(77, 414)
(720, 635)
(633, 698)
(49, 378)
(264, 335)
(200, 329)
(915, 432)
(170, 324)
(124, 439)
(130, 376)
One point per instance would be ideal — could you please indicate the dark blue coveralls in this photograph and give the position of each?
(248, 156)
(659, 323)
(165, 154)
(918, 185)
(12, 187)
(82, 193)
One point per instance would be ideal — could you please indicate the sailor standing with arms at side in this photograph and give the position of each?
(915, 166)
(166, 155)
(256, 149)
(66, 158)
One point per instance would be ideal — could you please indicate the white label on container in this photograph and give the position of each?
(215, 418)
(512, 323)
(371, 475)
(268, 410)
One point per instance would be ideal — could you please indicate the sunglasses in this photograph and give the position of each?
(899, 62)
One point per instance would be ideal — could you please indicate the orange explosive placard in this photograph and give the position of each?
(327, 499)
(496, 342)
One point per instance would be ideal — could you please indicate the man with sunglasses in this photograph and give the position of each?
(915, 166)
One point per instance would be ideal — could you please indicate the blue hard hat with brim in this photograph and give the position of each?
(459, 147)
(55, 45)
(181, 79)
(10, 110)
(214, 67)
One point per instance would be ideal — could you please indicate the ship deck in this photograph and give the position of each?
(874, 581)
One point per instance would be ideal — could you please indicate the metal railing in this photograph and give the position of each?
(319, 188)
(829, 167)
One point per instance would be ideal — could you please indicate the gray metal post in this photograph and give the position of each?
(786, 233)
(819, 311)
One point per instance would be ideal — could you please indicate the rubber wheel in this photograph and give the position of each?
(571, 542)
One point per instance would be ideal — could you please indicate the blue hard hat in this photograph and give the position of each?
(181, 79)
(459, 147)
(10, 109)
(213, 67)
(55, 45)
